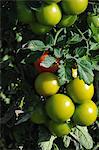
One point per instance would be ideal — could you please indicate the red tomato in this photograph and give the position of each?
(40, 68)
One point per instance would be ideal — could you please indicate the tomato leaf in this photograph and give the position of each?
(57, 53)
(45, 139)
(85, 70)
(81, 51)
(66, 140)
(62, 74)
(94, 46)
(48, 62)
(81, 135)
(23, 119)
(95, 62)
(75, 38)
(35, 45)
(49, 40)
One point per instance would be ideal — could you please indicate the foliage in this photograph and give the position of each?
(75, 47)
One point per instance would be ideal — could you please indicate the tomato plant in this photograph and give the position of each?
(49, 74)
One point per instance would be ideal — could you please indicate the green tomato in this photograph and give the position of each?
(39, 116)
(59, 129)
(67, 20)
(51, 1)
(93, 19)
(38, 28)
(79, 91)
(24, 14)
(49, 14)
(74, 7)
(59, 107)
(47, 84)
(85, 114)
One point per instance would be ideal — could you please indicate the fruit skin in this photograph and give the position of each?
(92, 18)
(59, 107)
(59, 129)
(39, 29)
(39, 68)
(38, 116)
(76, 7)
(85, 114)
(51, 1)
(79, 91)
(67, 20)
(47, 84)
(49, 14)
(24, 14)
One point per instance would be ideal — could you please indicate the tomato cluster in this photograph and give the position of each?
(60, 13)
(61, 112)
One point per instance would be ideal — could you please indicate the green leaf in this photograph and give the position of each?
(85, 70)
(23, 119)
(49, 40)
(82, 136)
(18, 37)
(62, 74)
(66, 140)
(95, 62)
(48, 62)
(75, 38)
(94, 46)
(81, 51)
(68, 71)
(45, 139)
(4, 98)
(57, 52)
(35, 45)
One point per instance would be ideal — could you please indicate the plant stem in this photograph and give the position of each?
(56, 36)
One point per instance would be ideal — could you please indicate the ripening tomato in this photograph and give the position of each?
(49, 14)
(59, 107)
(85, 114)
(67, 20)
(59, 129)
(40, 68)
(47, 84)
(39, 116)
(74, 7)
(79, 91)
